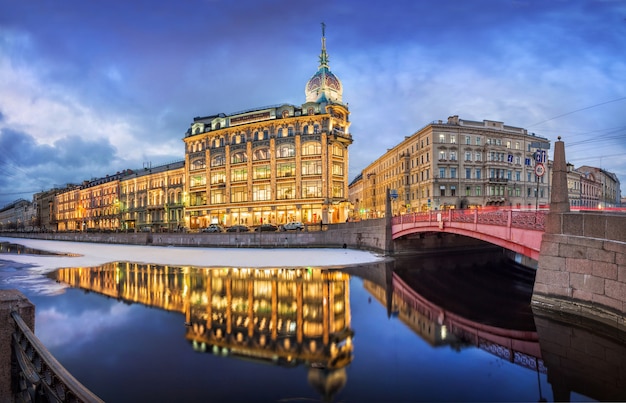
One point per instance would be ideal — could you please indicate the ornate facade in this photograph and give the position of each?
(152, 198)
(148, 199)
(599, 188)
(456, 164)
(273, 164)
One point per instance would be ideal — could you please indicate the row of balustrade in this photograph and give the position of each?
(524, 219)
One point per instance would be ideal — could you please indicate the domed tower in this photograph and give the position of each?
(324, 86)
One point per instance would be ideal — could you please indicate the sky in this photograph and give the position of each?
(90, 88)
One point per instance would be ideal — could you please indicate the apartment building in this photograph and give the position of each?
(456, 164)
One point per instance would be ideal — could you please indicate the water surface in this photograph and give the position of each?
(438, 328)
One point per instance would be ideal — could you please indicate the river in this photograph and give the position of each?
(447, 327)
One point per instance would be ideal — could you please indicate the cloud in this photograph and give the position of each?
(56, 329)
(136, 73)
(31, 166)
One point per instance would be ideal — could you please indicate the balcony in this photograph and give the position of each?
(497, 180)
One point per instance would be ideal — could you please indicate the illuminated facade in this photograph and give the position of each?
(274, 164)
(456, 164)
(68, 212)
(92, 206)
(99, 207)
(152, 198)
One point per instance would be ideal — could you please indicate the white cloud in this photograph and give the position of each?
(56, 329)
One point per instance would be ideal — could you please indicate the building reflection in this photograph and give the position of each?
(439, 327)
(285, 317)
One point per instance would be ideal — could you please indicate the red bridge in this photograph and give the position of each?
(517, 230)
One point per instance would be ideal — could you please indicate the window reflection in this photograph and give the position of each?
(284, 316)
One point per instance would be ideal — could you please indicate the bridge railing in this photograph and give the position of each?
(525, 219)
(41, 377)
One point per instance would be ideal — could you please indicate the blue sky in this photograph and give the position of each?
(89, 88)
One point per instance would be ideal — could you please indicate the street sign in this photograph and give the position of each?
(540, 144)
(541, 156)
(540, 169)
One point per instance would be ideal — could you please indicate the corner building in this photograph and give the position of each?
(456, 164)
(272, 164)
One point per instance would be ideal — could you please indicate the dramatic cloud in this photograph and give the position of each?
(88, 89)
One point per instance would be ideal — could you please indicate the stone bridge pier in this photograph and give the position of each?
(582, 261)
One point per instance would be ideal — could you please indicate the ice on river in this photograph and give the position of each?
(94, 254)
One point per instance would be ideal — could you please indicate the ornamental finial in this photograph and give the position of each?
(324, 55)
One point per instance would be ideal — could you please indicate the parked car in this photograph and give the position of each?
(266, 227)
(293, 226)
(238, 228)
(213, 228)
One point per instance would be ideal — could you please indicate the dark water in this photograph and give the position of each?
(17, 249)
(438, 328)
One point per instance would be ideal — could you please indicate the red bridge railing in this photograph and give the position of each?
(524, 219)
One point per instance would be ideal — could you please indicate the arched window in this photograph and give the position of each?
(198, 164)
(290, 132)
(261, 154)
(285, 114)
(305, 129)
(238, 157)
(217, 142)
(285, 150)
(310, 111)
(238, 139)
(316, 129)
(218, 160)
(280, 132)
(312, 148)
(337, 150)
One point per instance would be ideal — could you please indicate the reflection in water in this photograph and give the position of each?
(286, 317)
(440, 326)
(582, 357)
(15, 249)
(301, 317)
(456, 306)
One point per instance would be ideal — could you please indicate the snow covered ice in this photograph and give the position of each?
(95, 254)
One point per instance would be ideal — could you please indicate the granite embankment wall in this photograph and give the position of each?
(582, 266)
(366, 235)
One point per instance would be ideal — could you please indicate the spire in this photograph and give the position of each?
(324, 55)
(323, 86)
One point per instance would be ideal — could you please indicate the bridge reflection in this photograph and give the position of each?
(422, 294)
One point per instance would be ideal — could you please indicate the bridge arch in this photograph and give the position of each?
(516, 230)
